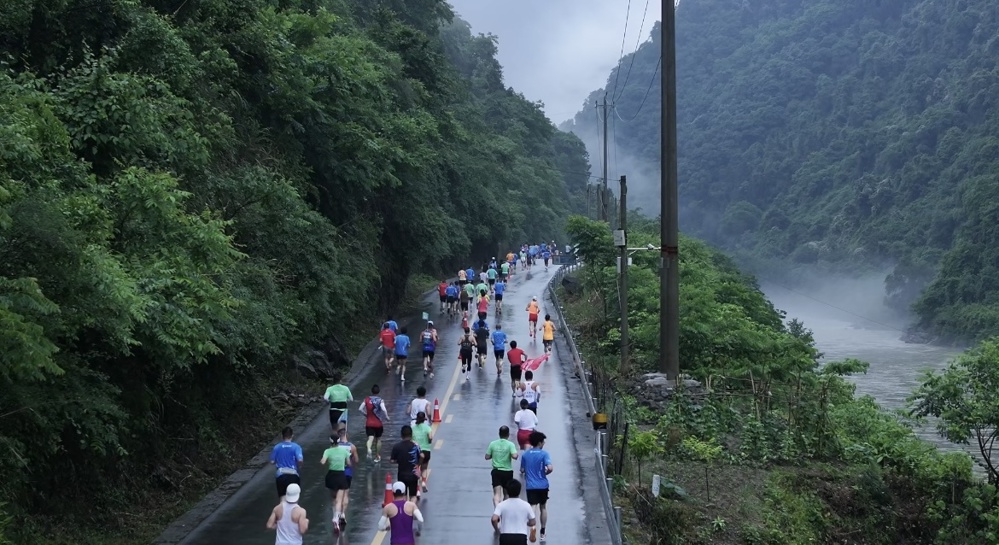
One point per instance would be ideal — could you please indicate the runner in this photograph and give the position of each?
(470, 275)
(423, 434)
(532, 315)
(482, 287)
(402, 343)
(462, 277)
(451, 294)
(290, 520)
(442, 292)
(466, 343)
(483, 277)
(345, 443)
(375, 417)
(464, 323)
(531, 391)
(464, 298)
(504, 271)
(392, 324)
(482, 305)
(481, 329)
(338, 395)
(517, 358)
(548, 337)
(513, 516)
(470, 290)
(287, 458)
(547, 256)
(398, 517)
(537, 465)
(408, 455)
(527, 422)
(501, 452)
(499, 347)
(335, 459)
(419, 405)
(429, 338)
(388, 345)
(498, 289)
(491, 276)
(523, 259)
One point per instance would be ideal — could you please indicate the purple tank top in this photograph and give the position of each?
(402, 526)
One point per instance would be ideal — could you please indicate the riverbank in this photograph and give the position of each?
(166, 506)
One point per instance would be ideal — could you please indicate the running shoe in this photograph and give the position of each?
(542, 537)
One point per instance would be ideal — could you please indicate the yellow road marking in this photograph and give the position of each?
(449, 418)
(380, 535)
(437, 445)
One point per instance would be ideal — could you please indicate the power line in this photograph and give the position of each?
(638, 43)
(617, 75)
(642, 105)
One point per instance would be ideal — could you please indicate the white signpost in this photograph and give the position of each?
(656, 481)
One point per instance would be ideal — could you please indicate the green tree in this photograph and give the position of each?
(963, 397)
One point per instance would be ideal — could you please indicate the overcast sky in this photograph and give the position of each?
(558, 51)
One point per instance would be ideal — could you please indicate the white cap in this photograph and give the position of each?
(431, 322)
(399, 487)
(294, 491)
(535, 298)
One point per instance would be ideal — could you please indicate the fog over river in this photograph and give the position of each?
(848, 320)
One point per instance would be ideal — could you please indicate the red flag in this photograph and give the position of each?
(535, 363)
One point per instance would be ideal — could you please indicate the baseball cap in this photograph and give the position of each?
(399, 487)
(294, 491)
(431, 322)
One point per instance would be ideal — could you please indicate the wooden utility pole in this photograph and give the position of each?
(669, 287)
(604, 214)
(622, 278)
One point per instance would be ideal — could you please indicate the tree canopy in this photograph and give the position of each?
(192, 193)
(829, 133)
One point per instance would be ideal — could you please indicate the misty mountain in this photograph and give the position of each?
(824, 133)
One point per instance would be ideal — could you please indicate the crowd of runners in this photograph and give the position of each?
(515, 520)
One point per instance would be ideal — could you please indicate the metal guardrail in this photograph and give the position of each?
(602, 446)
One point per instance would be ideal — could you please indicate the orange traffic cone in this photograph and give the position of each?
(389, 496)
(437, 411)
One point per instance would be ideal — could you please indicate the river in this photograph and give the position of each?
(849, 321)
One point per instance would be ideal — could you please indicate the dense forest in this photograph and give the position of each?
(193, 192)
(833, 135)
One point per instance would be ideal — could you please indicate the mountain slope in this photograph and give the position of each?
(828, 133)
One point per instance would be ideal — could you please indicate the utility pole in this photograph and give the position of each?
(604, 213)
(669, 287)
(622, 278)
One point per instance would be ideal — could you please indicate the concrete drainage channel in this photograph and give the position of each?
(601, 447)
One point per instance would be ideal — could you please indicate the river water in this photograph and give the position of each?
(849, 321)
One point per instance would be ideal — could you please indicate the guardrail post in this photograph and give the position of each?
(620, 530)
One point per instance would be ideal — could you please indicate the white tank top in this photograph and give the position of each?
(529, 393)
(420, 406)
(287, 529)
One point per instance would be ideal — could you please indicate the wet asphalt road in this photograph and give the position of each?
(459, 503)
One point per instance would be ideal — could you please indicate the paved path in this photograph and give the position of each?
(459, 504)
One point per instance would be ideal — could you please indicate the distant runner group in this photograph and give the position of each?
(514, 519)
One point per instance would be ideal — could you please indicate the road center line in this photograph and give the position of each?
(380, 535)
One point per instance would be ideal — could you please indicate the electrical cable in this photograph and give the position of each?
(638, 44)
(642, 105)
(617, 75)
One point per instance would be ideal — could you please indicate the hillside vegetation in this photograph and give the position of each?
(768, 447)
(843, 134)
(192, 193)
